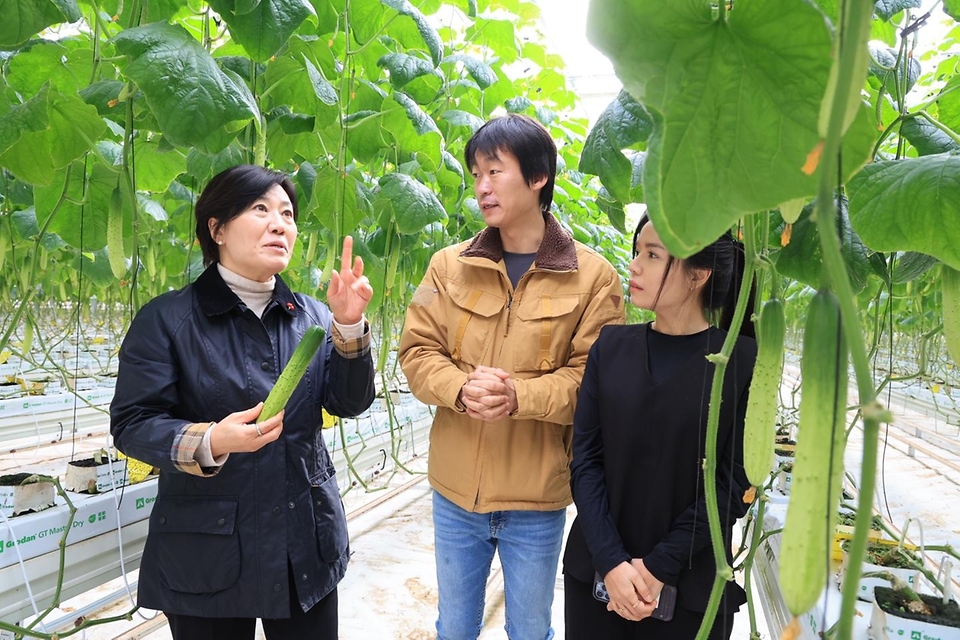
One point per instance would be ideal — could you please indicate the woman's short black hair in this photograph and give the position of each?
(724, 258)
(228, 194)
(529, 143)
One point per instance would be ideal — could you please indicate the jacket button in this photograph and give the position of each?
(277, 587)
(304, 576)
(265, 366)
(163, 520)
(292, 505)
(276, 511)
(221, 522)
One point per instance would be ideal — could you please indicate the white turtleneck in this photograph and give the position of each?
(256, 295)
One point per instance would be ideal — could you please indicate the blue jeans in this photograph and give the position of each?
(529, 546)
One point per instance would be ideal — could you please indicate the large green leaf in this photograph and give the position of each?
(909, 205)
(451, 175)
(613, 209)
(911, 265)
(735, 105)
(412, 129)
(72, 126)
(325, 197)
(426, 89)
(189, 95)
(830, 8)
(322, 89)
(292, 137)
(365, 137)
(152, 11)
(82, 218)
(801, 259)
(404, 67)
(952, 8)
(29, 117)
(22, 19)
(67, 70)
(497, 35)
(204, 166)
(366, 19)
(428, 35)
(885, 32)
(157, 167)
(886, 9)
(622, 124)
(948, 106)
(103, 95)
(266, 27)
(296, 80)
(407, 202)
(98, 269)
(480, 71)
(926, 137)
(25, 223)
(69, 9)
(886, 71)
(462, 119)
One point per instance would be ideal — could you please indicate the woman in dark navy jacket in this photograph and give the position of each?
(248, 521)
(638, 447)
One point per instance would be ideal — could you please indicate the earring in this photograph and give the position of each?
(219, 241)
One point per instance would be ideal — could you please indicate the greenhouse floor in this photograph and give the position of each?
(390, 589)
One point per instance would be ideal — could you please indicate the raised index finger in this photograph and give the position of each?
(346, 259)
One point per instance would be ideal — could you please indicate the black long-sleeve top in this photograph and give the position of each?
(638, 449)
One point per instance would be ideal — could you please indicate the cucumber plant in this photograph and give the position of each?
(707, 80)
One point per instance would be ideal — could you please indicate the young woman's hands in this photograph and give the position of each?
(654, 585)
(630, 596)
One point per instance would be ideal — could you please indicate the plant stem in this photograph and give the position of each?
(748, 564)
(939, 125)
(724, 572)
(853, 37)
(129, 172)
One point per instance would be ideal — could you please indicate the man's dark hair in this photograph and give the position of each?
(529, 143)
(229, 194)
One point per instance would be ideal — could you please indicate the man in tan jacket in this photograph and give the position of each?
(497, 337)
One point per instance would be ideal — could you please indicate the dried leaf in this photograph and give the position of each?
(786, 235)
(813, 159)
(792, 631)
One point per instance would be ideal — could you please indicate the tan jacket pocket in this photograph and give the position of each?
(545, 331)
(474, 321)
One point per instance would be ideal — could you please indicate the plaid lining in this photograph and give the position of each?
(185, 447)
(353, 348)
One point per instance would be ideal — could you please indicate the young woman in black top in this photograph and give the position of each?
(638, 448)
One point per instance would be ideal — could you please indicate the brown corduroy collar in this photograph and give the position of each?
(557, 251)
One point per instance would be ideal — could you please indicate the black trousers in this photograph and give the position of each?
(319, 623)
(588, 619)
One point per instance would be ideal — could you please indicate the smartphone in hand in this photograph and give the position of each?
(665, 604)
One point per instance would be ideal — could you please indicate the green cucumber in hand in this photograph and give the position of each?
(290, 377)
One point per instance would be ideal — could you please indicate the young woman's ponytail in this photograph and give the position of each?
(733, 292)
